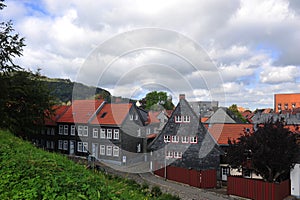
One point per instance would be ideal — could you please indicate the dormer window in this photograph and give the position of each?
(167, 138)
(186, 118)
(193, 140)
(136, 117)
(175, 138)
(131, 116)
(103, 114)
(178, 119)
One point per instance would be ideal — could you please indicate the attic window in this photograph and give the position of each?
(294, 105)
(103, 114)
(247, 130)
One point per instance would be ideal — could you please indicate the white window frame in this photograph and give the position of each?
(177, 154)
(169, 154)
(65, 145)
(131, 117)
(116, 151)
(175, 139)
(80, 130)
(72, 130)
(85, 131)
(186, 119)
(185, 139)
(139, 148)
(193, 139)
(52, 131)
(178, 119)
(52, 144)
(136, 117)
(66, 129)
(102, 133)
(60, 129)
(79, 146)
(109, 133)
(102, 149)
(108, 150)
(60, 144)
(148, 131)
(116, 134)
(85, 146)
(139, 132)
(95, 132)
(167, 138)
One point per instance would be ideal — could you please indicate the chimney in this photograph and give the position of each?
(181, 96)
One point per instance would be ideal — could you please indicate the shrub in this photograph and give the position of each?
(156, 191)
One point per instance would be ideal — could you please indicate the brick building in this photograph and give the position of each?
(286, 101)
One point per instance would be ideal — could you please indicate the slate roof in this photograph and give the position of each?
(152, 117)
(80, 111)
(220, 116)
(112, 114)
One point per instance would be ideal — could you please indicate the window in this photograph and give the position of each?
(131, 116)
(148, 131)
(155, 130)
(109, 134)
(175, 138)
(177, 154)
(136, 117)
(86, 131)
(169, 154)
(65, 144)
(48, 131)
(138, 148)
(186, 118)
(108, 150)
(47, 144)
(167, 138)
(85, 147)
(79, 146)
(178, 119)
(52, 144)
(72, 129)
(139, 132)
(116, 134)
(246, 173)
(95, 133)
(102, 133)
(286, 106)
(294, 105)
(60, 129)
(102, 149)
(52, 131)
(193, 139)
(185, 139)
(225, 170)
(65, 129)
(116, 152)
(80, 130)
(60, 144)
(43, 131)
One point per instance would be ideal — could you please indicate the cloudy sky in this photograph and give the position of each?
(233, 51)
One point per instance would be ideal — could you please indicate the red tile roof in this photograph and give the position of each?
(59, 110)
(152, 117)
(80, 111)
(115, 114)
(223, 132)
(204, 119)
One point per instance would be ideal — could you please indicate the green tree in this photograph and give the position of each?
(24, 99)
(157, 101)
(234, 109)
(271, 149)
(11, 45)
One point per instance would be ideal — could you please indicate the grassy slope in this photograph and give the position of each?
(30, 173)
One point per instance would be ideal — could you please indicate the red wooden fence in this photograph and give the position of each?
(257, 189)
(200, 179)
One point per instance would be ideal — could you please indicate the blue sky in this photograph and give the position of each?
(253, 46)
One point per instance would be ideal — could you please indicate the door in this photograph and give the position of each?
(225, 172)
(95, 150)
(72, 147)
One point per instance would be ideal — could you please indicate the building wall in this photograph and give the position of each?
(295, 181)
(286, 101)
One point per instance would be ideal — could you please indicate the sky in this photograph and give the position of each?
(232, 51)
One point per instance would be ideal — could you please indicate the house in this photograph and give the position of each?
(286, 102)
(223, 116)
(184, 145)
(118, 133)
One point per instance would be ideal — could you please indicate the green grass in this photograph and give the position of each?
(30, 173)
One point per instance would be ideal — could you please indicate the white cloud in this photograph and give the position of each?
(272, 74)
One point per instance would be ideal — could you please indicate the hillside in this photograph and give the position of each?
(62, 89)
(30, 173)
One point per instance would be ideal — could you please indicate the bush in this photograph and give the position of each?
(168, 197)
(156, 191)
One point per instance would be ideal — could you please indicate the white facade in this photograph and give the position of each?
(295, 181)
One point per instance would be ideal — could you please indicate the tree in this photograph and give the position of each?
(234, 109)
(11, 45)
(157, 101)
(271, 149)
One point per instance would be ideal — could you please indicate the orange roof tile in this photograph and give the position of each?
(80, 111)
(59, 110)
(204, 119)
(223, 132)
(112, 114)
(152, 117)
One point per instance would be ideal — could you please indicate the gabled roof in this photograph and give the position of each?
(152, 117)
(220, 117)
(223, 132)
(80, 111)
(112, 114)
(59, 110)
